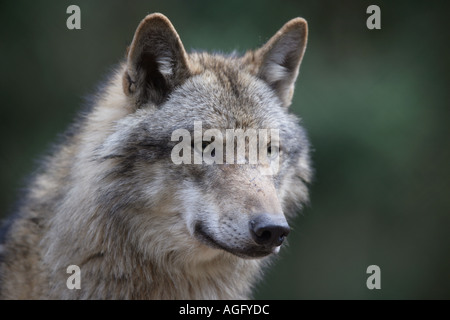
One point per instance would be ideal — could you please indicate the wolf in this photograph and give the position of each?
(110, 200)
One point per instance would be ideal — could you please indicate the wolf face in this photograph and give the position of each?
(140, 225)
(233, 207)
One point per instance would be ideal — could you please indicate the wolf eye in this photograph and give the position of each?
(201, 146)
(272, 152)
(204, 145)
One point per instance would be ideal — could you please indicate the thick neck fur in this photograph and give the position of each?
(125, 274)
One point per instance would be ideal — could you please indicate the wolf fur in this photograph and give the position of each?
(110, 200)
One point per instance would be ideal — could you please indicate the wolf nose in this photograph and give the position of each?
(267, 231)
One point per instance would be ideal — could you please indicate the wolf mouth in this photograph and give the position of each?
(249, 252)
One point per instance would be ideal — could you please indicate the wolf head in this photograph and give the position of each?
(199, 207)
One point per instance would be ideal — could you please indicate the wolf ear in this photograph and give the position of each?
(156, 61)
(279, 59)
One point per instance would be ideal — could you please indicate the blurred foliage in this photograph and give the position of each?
(375, 103)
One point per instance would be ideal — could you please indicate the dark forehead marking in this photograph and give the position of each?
(229, 78)
(226, 69)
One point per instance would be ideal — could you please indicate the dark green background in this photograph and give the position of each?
(376, 104)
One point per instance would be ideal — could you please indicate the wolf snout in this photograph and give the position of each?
(268, 231)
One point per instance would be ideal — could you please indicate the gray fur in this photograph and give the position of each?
(140, 227)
